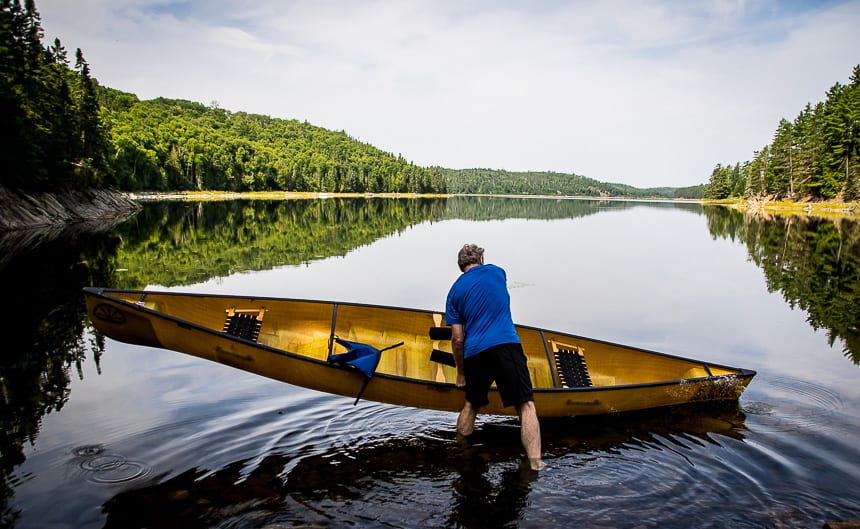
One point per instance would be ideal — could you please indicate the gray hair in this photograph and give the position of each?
(469, 254)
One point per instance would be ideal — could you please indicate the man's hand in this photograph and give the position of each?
(461, 379)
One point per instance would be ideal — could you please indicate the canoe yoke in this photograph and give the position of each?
(244, 323)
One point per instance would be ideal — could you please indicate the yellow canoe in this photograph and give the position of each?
(292, 341)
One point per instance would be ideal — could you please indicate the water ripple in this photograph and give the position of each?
(101, 466)
(794, 405)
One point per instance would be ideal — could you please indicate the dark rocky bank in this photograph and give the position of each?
(28, 210)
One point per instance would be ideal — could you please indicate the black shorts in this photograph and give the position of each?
(503, 364)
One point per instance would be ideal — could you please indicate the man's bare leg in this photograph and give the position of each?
(530, 434)
(466, 420)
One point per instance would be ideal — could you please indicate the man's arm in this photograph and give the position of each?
(458, 338)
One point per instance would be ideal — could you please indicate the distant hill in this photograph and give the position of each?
(501, 182)
(693, 192)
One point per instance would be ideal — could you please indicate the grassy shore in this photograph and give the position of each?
(787, 207)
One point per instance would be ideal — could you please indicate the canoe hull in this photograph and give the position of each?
(294, 344)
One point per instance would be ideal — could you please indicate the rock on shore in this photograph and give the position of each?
(29, 209)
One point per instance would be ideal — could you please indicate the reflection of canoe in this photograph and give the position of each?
(381, 471)
(292, 341)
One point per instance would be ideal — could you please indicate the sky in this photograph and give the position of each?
(648, 93)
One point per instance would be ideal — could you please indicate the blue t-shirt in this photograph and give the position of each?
(479, 301)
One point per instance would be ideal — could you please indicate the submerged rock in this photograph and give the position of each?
(848, 524)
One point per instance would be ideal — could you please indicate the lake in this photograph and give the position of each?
(98, 433)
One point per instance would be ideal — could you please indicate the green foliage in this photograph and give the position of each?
(171, 145)
(501, 182)
(52, 136)
(692, 192)
(816, 156)
(726, 182)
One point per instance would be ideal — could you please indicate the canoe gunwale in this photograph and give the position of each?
(104, 293)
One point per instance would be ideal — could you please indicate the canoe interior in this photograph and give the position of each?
(304, 329)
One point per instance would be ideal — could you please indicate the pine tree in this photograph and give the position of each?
(719, 185)
(55, 137)
(839, 137)
(852, 170)
(92, 164)
(782, 166)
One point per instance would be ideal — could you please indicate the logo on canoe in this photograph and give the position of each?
(109, 313)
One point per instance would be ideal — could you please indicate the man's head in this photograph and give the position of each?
(470, 254)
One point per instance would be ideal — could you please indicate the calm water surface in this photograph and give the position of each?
(138, 437)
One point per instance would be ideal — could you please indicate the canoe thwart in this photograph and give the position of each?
(570, 364)
(440, 333)
(244, 323)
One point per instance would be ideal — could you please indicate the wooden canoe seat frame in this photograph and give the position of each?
(244, 323)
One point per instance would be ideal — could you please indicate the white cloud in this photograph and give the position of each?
(644, 92)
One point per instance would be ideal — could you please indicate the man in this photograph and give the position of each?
(487, 348)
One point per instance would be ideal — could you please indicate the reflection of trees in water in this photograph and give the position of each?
(432, 480)
(43, 319)
(814, 262)
(500, 208)
(179, 243)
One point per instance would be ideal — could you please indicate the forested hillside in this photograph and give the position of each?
(814, 157)
(501, 182)
(165, 144)
(692, 192)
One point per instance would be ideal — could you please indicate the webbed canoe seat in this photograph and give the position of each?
(440, 333)
(570, 365)
(244, 323)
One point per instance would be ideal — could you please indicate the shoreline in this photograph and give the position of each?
(261, 195)
(29, 210)
(290, 195)
(784, 207)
